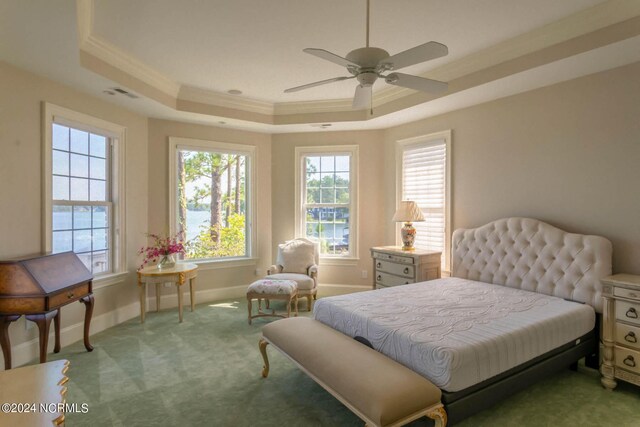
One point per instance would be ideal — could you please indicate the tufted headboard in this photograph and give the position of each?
(532, 255)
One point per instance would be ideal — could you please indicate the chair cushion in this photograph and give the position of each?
(297, 256)
(273, 287)
(304, 282)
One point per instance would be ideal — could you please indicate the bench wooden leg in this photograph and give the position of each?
(263, 350)
(439, 415)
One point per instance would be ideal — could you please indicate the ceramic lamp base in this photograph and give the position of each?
(408, 234)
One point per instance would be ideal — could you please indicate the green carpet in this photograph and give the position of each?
(206, 372)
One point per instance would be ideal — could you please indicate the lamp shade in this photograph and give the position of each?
(408, 211)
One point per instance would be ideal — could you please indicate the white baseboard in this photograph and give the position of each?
(27, 351)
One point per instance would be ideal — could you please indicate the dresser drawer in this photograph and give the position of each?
(628, 335)
(385, 279)
(397, 269)
(628, 312)
(626, 293)
(627, 359)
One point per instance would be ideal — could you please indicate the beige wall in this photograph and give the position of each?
(370, 180)
(159, 132)
(568, 154)
(21, 177)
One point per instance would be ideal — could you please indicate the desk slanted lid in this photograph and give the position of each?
(42, 274)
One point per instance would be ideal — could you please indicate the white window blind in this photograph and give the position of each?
(424, 180)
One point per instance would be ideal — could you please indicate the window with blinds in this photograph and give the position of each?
(424, 179)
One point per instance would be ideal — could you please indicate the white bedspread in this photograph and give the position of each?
(457, 332)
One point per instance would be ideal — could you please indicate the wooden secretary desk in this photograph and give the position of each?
(37, 287)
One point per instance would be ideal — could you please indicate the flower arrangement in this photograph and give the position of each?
(163, 251)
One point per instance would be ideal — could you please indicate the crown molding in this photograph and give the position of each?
(388, 99)
(204, 96)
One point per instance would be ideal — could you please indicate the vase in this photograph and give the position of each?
(167, 261)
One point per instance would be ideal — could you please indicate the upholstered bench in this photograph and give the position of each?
(268, 289)
(377, 389)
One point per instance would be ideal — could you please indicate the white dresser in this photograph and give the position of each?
(621, 330)
(392, 266)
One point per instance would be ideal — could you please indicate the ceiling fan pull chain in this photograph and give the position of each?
(368, 23)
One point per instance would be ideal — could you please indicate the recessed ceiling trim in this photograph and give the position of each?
(527, 50)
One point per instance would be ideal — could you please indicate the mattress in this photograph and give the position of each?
(457, 332)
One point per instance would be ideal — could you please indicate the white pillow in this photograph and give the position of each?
(297, 256)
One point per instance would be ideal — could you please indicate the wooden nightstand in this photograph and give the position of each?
(392, 266)
(621, 330)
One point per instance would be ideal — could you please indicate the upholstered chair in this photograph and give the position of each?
(298, 261)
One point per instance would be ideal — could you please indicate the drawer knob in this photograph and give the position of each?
(629, 361)
(632, 313)
(631, 337)
(406, 283)
(70, 295)
(378, 277)
(406, 270)
(378, 264)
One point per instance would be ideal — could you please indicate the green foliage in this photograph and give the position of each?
(232, 240)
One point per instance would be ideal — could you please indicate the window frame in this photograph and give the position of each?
(424, 141)
(116, 134)
(301, 152)
(180, 143)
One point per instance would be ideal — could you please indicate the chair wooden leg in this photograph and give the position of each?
(309, 300)
(249, 308)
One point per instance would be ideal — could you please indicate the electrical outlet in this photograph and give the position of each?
(28, 325)
(365, 274)
(257, 272)
(167, 285)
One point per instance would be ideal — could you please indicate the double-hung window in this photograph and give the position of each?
(211, 203)
(326, 198)
(424, 171)
(82, 210)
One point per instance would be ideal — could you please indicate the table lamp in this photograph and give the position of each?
(407, 212)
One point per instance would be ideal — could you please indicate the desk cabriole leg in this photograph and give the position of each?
(88, 313)
(158, 297)
(56, 327)
(5, 321)
(44, 322)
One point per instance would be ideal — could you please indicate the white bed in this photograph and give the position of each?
(521, 294)
(456, 332)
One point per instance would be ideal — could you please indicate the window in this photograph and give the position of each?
(82, 213)
(326, 198)
(211, 207)
(424, 176)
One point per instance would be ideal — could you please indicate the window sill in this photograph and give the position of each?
(223, 263)
(109, 280)
(346, 261)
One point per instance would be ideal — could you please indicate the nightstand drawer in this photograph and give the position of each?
(628, 312)
(627, 359)
(397, 269)
(628, 335)
(385, 279)
(626, 293)
(393, 258)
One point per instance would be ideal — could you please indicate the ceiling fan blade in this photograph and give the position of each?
(332, 57)
(415, 55)
(417, 83)
(321, 82)
(362, 97)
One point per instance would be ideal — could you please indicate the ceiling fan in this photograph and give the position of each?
(368, 63)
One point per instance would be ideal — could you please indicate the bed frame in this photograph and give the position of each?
(529, 254)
